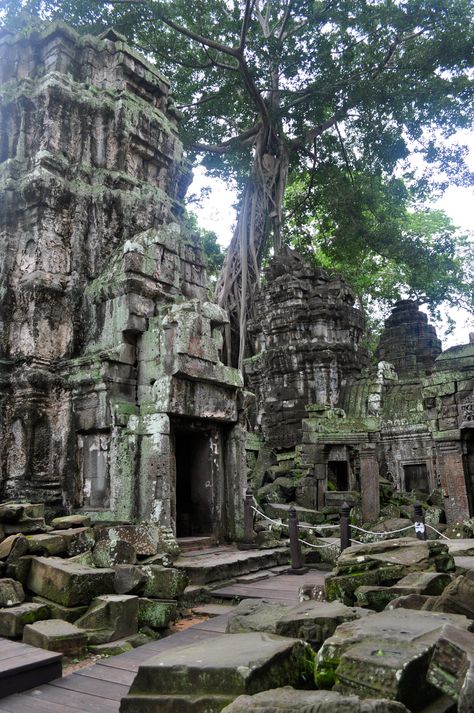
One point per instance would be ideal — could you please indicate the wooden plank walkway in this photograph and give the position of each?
(100, 687)
(283, 588)
(23, 666)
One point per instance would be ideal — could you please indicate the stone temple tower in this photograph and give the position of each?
(109, 351)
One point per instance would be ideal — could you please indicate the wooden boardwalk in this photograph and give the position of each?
(100, 687)
(23, 666)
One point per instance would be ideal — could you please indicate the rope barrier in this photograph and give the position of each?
(301, 525)
(437, 531)
(319, 547)
(382, 534)
(278, 523)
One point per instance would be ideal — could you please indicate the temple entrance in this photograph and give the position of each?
(416, 477)
(468, 462)
(194, 483)
(338, 474)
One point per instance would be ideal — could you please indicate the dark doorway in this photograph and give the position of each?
(416, 477)
(194, 487)
(468, 458)
(338, 474)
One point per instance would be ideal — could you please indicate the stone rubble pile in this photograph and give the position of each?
(71, 585)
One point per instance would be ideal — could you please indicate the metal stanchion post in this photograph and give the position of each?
(420, 529)
(297, 566)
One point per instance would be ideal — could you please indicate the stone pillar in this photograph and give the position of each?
(453, 480)
(369, 483)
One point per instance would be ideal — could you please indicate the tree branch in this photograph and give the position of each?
(249, 5)
(226, 145)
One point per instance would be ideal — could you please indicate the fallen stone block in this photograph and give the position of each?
(375, 598)
(164, 582)
(311, 621)
(26, 527)
(451, 667)
(56, 635)
(458, 596)
(13, 547)
(129, 579)
(46, 544)
(109, 617)
(68, 521)
(11, 593)
(14, 512)
(79, 540)
(66, 583)
(14, 619)
(398, 626)
(144, 538)
(108, 553)
(111, 648)
(207, 675)
(19, 569)
(384, 564)
(290, 700)
(155, 613)
(57, 611)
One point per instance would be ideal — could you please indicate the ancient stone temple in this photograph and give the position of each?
(307, 340)
(113, 398)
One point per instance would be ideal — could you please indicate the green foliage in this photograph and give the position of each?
(348, 90)
(208, 239)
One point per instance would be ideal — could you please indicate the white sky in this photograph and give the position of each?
(215, 212)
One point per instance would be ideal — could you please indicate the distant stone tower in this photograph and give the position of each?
(307, 340)
(408, 341)
(106, 336)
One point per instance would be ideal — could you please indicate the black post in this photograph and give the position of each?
(295, 548)
(345, 526)
(420, 529)
(249, 534)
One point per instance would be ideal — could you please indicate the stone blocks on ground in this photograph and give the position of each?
(384, 564)
(207, 675)
(13, 547)
(311, 621)
(129, 579)
(164, 582)
(58, 611)
(385, 655)
(109, 617)
(108, 553)
(14, 619)
(289, 700)
(144, 538)
(451, 668)
(156, 614)
(66, 583)
(69, 521)
(56, 635)
(11, 593)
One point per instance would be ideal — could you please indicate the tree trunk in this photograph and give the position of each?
(259, 216)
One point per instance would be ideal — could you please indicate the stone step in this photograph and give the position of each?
(191, 544)
(219, 566)
(215, 669)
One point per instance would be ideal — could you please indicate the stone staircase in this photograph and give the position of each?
(214, 565)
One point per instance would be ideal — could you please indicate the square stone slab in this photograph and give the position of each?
(56, 635)
(223, 667)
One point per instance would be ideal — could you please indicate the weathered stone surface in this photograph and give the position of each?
(56, 635)
(46, 544)
(384, 564)
(11, 593)
(57, 611)
(155, 613)
(144, 538)
(68, 521)
(164, 582)
(311, 621)
(109, 617)
(108, 553)
(13, 547)
(15, 512)
(415, 583)
(111, 648)
(458, 597)
(68, 583)
(129, 579)
(216, 671)
(78, 539)
(289, 700)
(378, 655)
(19, 569)
(451, 667)
(14, 619)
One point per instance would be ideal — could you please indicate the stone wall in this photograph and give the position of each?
(107, 338)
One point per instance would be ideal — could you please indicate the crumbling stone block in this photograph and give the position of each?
(66, 583)
(109, 617)
(56, 635)
(11, 593)
(156, 614)
(14, 619)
